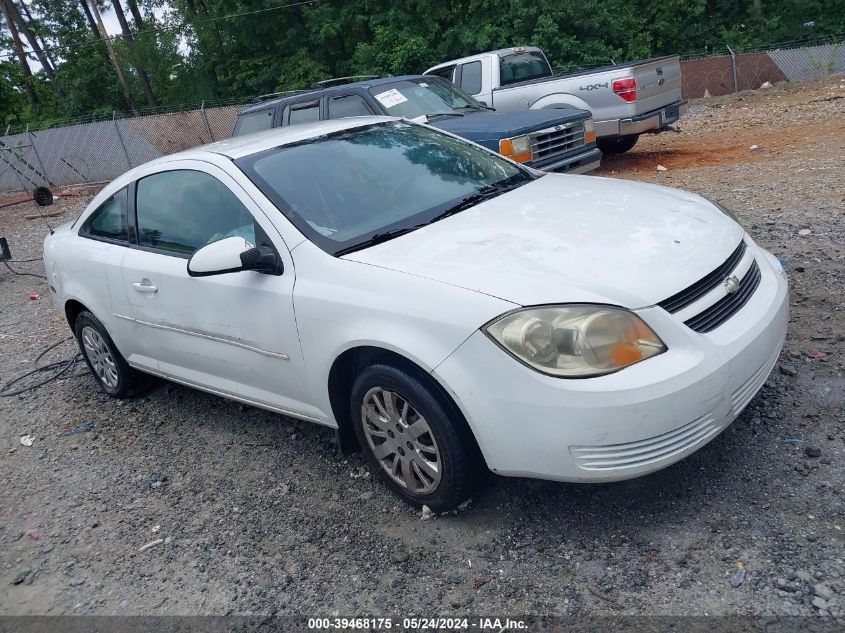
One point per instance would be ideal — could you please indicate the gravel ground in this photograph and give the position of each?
(260, 514)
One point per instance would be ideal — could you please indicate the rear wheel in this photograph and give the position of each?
(413, 438)
(618, 145)
(109, 368)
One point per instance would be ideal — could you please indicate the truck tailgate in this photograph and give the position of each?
(658, 83)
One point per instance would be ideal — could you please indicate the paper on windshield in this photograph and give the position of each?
(390, 98)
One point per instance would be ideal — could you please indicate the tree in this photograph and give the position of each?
(26, 72)
(130, 45)
(130, 101)
(43, 59)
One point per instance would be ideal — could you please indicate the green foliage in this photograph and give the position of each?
(190, 57)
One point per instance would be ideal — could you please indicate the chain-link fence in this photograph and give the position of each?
(99, 151)
(735, 71)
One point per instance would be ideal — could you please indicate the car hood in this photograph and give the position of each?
(489, 125)
(565, 238)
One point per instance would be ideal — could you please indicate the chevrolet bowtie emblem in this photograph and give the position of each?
(732, 284)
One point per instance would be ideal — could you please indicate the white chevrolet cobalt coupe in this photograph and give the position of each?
(446, 307)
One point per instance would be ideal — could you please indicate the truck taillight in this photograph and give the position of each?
(626, 88)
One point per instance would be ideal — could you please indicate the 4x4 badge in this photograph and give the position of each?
(732, 284)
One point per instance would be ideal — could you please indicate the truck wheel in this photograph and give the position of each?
(413, 439)
(618, 145)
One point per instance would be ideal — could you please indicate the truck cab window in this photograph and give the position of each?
(471, 77)
(523, 66)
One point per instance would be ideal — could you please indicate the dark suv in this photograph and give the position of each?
(552, 140)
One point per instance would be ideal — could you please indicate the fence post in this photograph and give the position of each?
(40, 162)
(733, 64)
(207, 126)
(120, 138)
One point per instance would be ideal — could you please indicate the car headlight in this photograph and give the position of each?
(733, 216)
(589, 131)
(517, 148)
(575, 341)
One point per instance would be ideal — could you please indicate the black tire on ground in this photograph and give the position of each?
(43, 196)
(618, 145)
(127, 382)
(461, 467)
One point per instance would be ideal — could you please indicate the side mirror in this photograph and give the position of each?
(232, 255)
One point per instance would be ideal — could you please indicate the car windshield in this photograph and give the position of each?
(523, 66)
(350, 189)
(427, 96)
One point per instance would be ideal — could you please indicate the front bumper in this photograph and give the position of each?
(626, 424)
(581, 162)
(647, 122)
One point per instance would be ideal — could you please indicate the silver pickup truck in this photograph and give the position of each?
(626, 100)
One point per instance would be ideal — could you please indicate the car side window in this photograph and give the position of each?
(254, 122)
(180, 211)
(447, 73)
(471, 77)
(303, 112)
(348, 105)
(109, 221)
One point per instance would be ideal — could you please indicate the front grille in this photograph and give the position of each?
(688, 296)
(728, 305)
(661, 448)
(556, 140)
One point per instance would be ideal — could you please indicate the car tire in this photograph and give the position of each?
(107, 365)
(414, 438)
(618, 145)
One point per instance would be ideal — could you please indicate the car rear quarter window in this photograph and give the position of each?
(109, 221)
(180, 211)
(471, 77)
(303, 112)
(348, 105)
(254, 122)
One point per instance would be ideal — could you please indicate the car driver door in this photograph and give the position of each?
(231, 333)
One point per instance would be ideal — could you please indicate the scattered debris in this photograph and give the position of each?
(794, 440)
(82, 428)
(478, 584)
(598, 594)
(814, 353)
(32, 535)
(662, 168)
(33, 297)
(788, 370)
(21, 576)
(426, 513)
(27, 440)
(766, 85)
(804, 232)
(754, 147)
(738, 577)
(813, 451)
(156, 528)
(151, 544)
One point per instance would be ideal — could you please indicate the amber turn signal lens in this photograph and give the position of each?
(590, 137)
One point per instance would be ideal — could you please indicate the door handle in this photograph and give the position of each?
(145, 286)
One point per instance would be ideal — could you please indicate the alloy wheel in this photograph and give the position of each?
(100, 357)
(401, 441)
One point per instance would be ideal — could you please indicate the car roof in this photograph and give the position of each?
(318, 92)
(240, 146)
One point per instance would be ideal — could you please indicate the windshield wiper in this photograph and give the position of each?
(377, 238)
(477, 198)
(434, 114)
